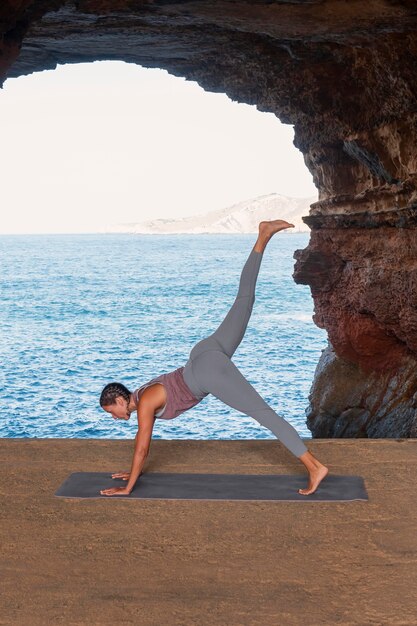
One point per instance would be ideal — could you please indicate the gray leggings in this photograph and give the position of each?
(209, 368)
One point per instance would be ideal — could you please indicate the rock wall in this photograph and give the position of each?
(344, 74)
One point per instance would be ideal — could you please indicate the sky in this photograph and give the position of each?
(89, 145)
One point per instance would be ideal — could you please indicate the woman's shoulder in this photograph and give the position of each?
(154, 393)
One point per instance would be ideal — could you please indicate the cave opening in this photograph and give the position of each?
(158, 147)
(82, 150)
(344, 77)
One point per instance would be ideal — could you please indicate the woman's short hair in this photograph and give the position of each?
(111, 391)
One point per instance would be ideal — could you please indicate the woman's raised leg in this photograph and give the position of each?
(232, 329)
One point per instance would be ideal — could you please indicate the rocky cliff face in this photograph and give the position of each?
(344, 74)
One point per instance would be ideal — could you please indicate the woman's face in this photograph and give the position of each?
(118, 410)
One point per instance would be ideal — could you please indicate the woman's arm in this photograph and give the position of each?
(146, 420)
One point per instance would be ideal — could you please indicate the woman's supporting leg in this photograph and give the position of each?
(215, 373)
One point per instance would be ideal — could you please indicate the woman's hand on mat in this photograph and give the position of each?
(124, 475)
(115, 491)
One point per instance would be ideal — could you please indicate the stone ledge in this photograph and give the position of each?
(207, 562)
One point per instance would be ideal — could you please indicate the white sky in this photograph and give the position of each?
(93, 144)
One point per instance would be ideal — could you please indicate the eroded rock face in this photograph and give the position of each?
(364, 284)
(344, 74)
(343, 402)
(363, 278)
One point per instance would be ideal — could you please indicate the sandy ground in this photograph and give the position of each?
(173, 562)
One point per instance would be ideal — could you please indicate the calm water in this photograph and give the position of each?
(79, 311)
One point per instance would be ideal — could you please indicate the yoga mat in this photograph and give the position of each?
(181, 486)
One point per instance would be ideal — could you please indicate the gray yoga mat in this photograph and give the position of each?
(181, 486)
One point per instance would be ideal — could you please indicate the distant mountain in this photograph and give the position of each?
(242, 217)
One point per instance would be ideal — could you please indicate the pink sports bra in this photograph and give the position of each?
(179, 395)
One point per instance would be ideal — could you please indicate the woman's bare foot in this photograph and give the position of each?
(267, 229)
(315, 478)
(271, 227)
(317, 471)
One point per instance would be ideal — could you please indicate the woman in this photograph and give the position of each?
(209, 369)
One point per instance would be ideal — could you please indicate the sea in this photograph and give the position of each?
(78, 311)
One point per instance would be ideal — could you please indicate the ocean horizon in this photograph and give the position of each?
(80, 310)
